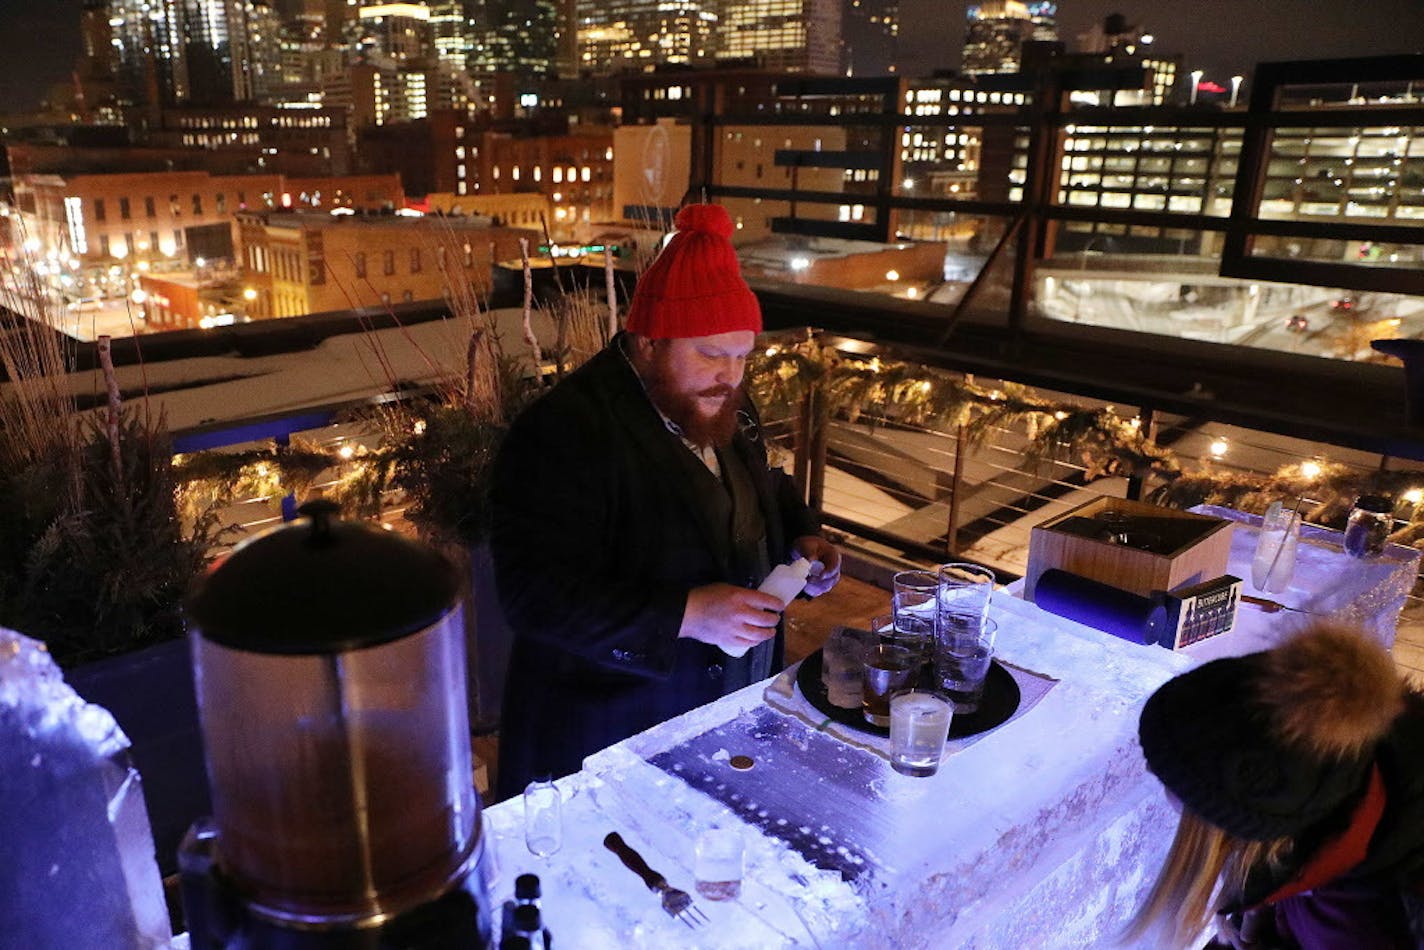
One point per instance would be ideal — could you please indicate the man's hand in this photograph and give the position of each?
(732, 618)
(816, 548)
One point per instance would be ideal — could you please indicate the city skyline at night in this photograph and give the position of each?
(1272, 30)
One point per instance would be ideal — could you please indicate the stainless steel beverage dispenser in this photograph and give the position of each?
(329, 659)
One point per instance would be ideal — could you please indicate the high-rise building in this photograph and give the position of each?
(640, 35)
(398, 31)
(199, 51)
(513, 36)
(870, 33)
(996, 32)
(99, 58)
(566, 50)
(788, 35)
(448, 23)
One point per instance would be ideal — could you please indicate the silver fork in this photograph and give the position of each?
(676, 902)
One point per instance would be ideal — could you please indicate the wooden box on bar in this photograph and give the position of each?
(1189, 548)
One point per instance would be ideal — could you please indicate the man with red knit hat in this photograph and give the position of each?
(635, 515)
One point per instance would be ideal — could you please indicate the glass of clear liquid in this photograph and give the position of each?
(718, 866)
(543, 818)
(1274, 560)
(919, 725)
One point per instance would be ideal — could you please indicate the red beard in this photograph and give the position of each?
(702, 430)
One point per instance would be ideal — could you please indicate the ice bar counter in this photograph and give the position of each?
(1044, 832)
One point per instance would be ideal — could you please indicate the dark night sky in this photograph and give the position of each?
(41, 37)
(39, 43)
(1222, 37)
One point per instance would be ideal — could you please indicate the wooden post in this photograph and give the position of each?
(1149, 428)
(816, 488)
(801, 447)
(961, 443)
(612, 289)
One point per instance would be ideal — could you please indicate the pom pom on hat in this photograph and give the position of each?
(695, 287)
(710, 219)
(1266, 745)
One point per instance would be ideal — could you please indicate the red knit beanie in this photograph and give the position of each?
(695, 286)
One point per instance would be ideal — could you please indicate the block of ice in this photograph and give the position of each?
(76, 853)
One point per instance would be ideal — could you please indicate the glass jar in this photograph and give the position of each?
(1369, 526)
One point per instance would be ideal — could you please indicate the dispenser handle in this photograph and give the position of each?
(633, 861)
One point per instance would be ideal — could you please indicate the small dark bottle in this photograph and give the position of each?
(527, 890)
(526, 894)
(528, 926)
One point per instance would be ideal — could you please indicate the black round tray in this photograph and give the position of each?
(1001, 698)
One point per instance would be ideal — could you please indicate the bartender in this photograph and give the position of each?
(635, 513)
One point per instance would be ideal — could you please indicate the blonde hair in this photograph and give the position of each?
(1205, 868)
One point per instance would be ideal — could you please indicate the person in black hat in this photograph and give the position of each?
(1300, 773)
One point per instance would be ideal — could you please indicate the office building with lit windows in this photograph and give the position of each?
(639, 35)
(179, 51)
(995, 34)
(789, 35)
(399, 31)
(513, 36)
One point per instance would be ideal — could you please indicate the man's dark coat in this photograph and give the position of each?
(603, 521)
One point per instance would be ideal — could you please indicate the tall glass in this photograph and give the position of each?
(543, 817)
(1274, 560)
(964, 592)
(912, 604)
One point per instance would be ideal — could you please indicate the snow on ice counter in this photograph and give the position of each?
(1045, 832)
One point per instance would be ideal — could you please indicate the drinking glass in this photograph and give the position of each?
(963, 592)
(888, 670)
(543, 817)
(919, 725)
(1274, 560)
(883, 626)
(961, 664)
(717, 868)
(841, 660)
(913, 607)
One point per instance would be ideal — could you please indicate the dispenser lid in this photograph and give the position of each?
(322, 585)
(1378, 504)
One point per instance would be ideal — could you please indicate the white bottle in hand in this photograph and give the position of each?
(785, 581)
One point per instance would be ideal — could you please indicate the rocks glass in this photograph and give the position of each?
(919, 725)
(889, 669)
(842, 659)
(964, 634)
(717, 868)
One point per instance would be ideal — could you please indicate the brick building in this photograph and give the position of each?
(295, 263)
(172, 217)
